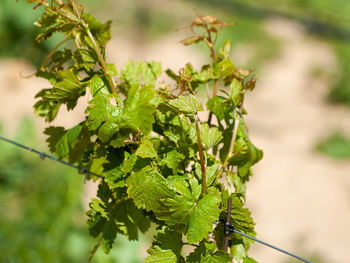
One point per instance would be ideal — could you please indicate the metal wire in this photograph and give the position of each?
(272, 246)
(45, 155)
(228, 227)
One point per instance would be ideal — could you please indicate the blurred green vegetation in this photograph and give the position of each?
(326, 20)
(336, 146)
(17, 32)
(41, 215)
(147, 21)
(314, 258)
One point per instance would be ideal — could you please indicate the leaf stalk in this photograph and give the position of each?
(216, 82)
(233, 140)
(101, 59)
(201, 157)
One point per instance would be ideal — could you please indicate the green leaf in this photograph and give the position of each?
(149, 193)
(48, 18)
(110, 126)
(109, 235)
(100, 111)
(202, 217)
(171, 200)
(225, 50)
(227, 70)
(112, 69)
(236, 93)
(115, 178)
(119, 138)
(211, 172)
(140, 73)
(84, 59)
(55, 134)
(210, 137)
(160, 256)
(195, 188)
(60, 141)
(101, 32)
(59, 58)
(205, 248)
(245, 154)
(240, 185)
(129, 219)
(47, 109)
(146, 149)
(172, 160)
(63, 19)
(205, 254)
(66, 90)
(221, 107)
(207, 73)
(187, 105)
(217, 257)
(129, 162)
(81, 146)
(166, 247)
(138, 111)
(95, 164)
(99, 206)
(243, 222)
(96, 222)
(249, 260)
(241, 151)
(239, 251)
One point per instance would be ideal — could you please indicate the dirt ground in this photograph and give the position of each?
(299, 199)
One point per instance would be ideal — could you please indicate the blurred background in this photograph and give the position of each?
(299, 115)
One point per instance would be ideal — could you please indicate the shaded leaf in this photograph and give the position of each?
(62, 141)
(146, 149)
(172, 160)
(166, 247)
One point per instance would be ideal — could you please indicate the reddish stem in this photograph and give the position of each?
(228, 220)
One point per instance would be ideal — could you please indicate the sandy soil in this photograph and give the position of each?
(300, 200)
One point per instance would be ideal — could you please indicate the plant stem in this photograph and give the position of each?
(233, 140)
(211, 46)
(213, 56)
(216, 83)
(200, 150)
(51, 52)
(228, 220)
(101, 59)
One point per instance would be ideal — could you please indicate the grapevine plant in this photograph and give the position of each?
(161, 164)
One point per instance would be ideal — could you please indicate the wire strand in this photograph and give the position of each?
(229, 228)
(44, 155)
(271, 246)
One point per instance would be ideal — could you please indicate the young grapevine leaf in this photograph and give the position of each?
(205, 254)
(160, 164)
(187, 105)
(138, 110)
(202, 217)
